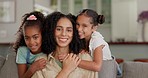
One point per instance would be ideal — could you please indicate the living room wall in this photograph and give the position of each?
(127, 52)
(9, 29)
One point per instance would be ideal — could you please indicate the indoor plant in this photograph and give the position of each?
(143, 19)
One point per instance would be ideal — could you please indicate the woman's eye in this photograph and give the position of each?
(69, 30)
(84, 26)
(59, 29)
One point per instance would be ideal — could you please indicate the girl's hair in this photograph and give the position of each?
(49, 42)
(34, 18)
(96, 19)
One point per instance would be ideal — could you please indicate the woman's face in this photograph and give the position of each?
(33, 38)
(85, 28)
(64, 32)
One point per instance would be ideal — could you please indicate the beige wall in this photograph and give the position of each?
(9, 29)
(128, 52)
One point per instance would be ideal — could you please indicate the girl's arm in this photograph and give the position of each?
(22, 68)
(24, 72)
(96, 64)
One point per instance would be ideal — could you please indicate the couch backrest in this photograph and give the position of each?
(9, 69)
(135, 70)
(109, 69)
(2, 60)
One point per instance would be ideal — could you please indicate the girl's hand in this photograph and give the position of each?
(83, 52)
(38, 65)
(70, 62)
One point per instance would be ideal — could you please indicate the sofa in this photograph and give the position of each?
(8, 68)
(135, 70)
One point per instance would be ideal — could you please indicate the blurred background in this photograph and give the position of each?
(127, 37)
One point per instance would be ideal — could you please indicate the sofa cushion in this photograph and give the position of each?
(135, 70)
(109, 69)
(9, 69)
(2, 60)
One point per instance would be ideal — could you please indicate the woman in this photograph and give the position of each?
(61, 37)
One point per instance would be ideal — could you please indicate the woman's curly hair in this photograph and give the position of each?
(49, 42)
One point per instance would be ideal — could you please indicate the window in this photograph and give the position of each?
(7, 11)
(106, 10)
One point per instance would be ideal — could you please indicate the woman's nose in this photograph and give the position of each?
(63, 32)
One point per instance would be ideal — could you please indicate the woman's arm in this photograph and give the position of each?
(96, 64)
(24, 72)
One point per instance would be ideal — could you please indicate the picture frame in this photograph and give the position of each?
(7, 11)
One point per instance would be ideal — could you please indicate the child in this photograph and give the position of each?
(28, 44)
(87, 23)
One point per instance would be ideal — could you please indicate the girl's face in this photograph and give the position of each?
(85, 28)
(64, 32)
(33, 38)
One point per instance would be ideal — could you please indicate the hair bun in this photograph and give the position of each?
(101, 19)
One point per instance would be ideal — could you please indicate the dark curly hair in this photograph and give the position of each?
(49, 42)
(96, 19)
(26, 23)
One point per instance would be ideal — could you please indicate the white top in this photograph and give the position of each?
(97, 40)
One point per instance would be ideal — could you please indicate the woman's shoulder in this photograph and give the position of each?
(42, 56)
(84, 55)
